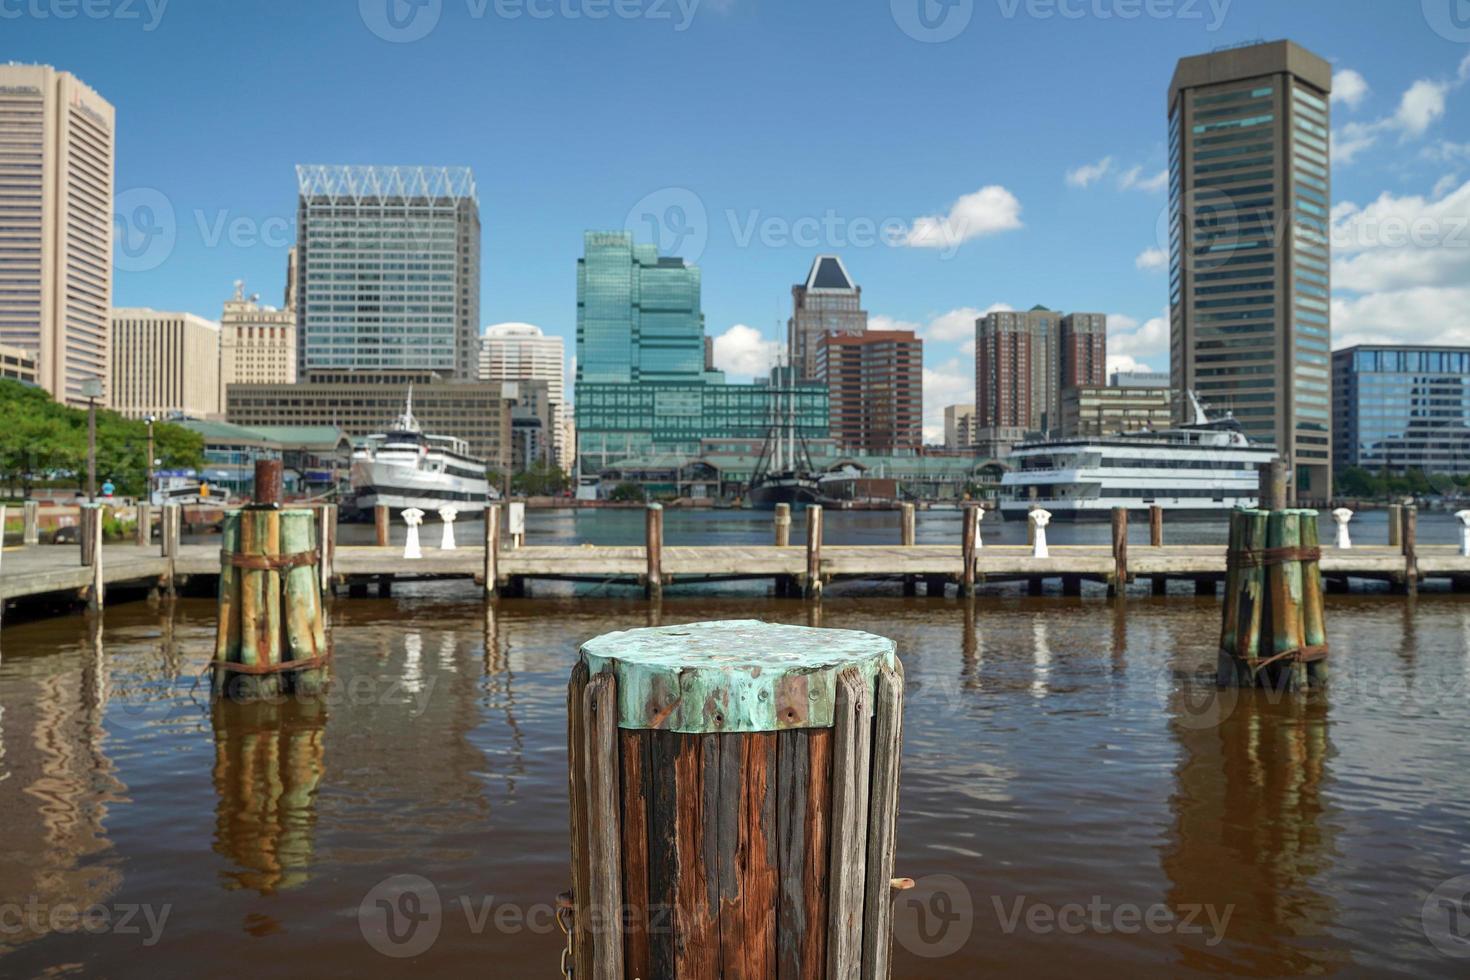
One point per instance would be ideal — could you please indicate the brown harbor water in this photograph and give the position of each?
(1076, 800)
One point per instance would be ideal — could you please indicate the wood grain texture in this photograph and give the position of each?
(577, 791)
(851, 763)
(792, 777)
(663, 852)
(748, 913)
(696, 894)
(1120, 550)
(814, 551)
(883, 823)
(634, 747)
(816, 884)
(599, 702)
(491, 571)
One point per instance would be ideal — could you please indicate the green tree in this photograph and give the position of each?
(625, 492)
(541, 480)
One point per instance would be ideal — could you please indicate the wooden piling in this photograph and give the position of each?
(31, 526)
(1314, 615)
(653, 527)
(92, 547)
(382, 525)
(143, 528)
(734, 791)
(1409, 537)
(1118, 585)
(969, 526)
(168, 543)
(906, 525)
(813, 584)
(1274, 483)
(492, 551)
(1395, 526)
(1285, 598)
(783, 525)
(306, 637)
(89, 519)
(1156, 526)
(326, 536)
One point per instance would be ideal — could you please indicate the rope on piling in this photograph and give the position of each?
(1270, 556)
(271, 563)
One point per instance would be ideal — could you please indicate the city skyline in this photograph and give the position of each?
(1092, 206)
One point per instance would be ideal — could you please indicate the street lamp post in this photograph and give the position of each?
(92, 388)
(148, 487)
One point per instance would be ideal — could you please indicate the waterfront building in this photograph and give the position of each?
(164, 364)
(959, 427)
(257, 344)
(315, 458)
(828, 302)
(387, 270)
(475, 411)
(875, 389)
(18, 364)
(1139, 379)
(57, 144)
(639, 317)
(1024, 360)
(1249, 288)
(1400, 408)
(523, 352)
(1105, 410)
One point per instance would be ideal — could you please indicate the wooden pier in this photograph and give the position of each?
(800, 569)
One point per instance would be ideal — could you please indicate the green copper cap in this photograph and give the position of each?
(735, 676)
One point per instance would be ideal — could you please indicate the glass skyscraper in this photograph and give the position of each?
(1402, 408)
(1249, 286)
(642, 384)
(388, 263)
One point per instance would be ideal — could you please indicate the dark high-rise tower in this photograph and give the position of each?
(829, 302)
(1249, 286)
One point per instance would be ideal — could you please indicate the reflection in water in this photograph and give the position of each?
(1040, 657)
(972, 655)
(56, 782)
(268, 763)
(1250, 830)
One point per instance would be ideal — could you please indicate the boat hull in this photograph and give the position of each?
(797, 493)
(402, 487)
(1065, 513)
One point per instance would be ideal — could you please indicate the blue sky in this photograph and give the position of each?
(988, 152)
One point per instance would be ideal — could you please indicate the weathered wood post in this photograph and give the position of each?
(1119, 584)
(1274, 477)
(492, 551)
(93, 543)
(1395, 526)
(653, 546)
(326, 535)
(31, 528)
(168, 543)
(969, 533)
(143, 530)
(270, 636)
(1156, 526)
(814, 551)
(1273, 627)
(381, 525)
(907, 535)
(89, 518)
(734, 793)
(783, 525)
(516, 523)
(1409, 536)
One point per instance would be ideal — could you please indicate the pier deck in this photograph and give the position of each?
(40, 570)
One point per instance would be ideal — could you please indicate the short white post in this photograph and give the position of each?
(447, 514)
(1464, 517)
(979, 517)
(413, 517)
(516, 523)
(1039, 520)
(1342, 515)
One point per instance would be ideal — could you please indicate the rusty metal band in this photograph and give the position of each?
(1304, 655)
(1271, 556)
(270, 563)
(280, 668)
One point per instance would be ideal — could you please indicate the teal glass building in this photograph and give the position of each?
(642, 387)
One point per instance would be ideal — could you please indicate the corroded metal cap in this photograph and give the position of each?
(734, 676)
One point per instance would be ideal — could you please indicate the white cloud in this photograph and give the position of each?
(744, 351)
(1128, 338)
(1408, 316)
(1152, 258)
(988, 211)
(1350, 140)
(1349, 88)
(1123, 362)
(951, 383)
(1420, 106)
(1464, 74)
(1134, 180)
(1445, 184)
(1398, 243)
(1089, 173)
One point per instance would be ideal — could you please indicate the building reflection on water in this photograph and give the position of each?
(1252, 831)
(57, 782)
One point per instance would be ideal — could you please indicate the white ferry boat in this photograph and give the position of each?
(407, 468)
(1196, 470)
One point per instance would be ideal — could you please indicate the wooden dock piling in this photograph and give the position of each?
(31, 523)
(94, 517)
(1155, 526)
(969, 531)
(143, 524)
(492, 551)
(1118, 585)
(653, 527)
(1395, 525)
(813, 584)
(906, 533)
(326, 535)
(783, 525)
(734, 794)
(1409, 537)
(382, 525)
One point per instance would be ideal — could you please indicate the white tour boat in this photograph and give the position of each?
(408, 468)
